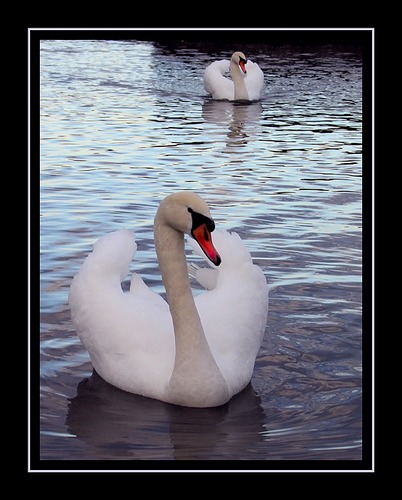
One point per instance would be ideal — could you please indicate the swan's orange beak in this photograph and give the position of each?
(242, 65)
(203, 237)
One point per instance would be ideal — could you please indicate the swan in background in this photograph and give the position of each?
(196, 352)
(247, 79)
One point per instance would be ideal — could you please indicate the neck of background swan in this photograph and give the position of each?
(240, 91)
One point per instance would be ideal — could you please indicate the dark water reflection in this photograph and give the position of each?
(284, 172)
(114, 424)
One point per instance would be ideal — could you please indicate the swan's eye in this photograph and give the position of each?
(190, 210)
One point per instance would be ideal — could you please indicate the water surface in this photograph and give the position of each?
(125, 123)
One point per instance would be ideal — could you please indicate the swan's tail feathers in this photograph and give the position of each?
(137, 284)
(206, 277)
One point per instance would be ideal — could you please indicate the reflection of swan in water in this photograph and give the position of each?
(114, 424)
(237, 117)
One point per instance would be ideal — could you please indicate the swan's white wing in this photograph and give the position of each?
(129, 335)
(215, 83)
(234, 311)
(254, 80)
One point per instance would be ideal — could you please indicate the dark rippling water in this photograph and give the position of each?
(124, 123)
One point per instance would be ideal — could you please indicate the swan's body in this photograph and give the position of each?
(193, 352)
(247, 79)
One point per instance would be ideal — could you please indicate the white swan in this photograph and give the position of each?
(247, 79)
(193, 352)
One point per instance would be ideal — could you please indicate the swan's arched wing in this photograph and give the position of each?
(234, 311)
(215, 83)
(100, 310)
(254, 81)
(129, 335)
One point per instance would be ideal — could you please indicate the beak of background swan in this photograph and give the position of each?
(242, 64)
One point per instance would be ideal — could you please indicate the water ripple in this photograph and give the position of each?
(125, 123)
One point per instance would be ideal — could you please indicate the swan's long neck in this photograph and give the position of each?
(196, 379)
(240, 91)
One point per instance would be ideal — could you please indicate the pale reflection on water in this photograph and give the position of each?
(284, 172)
